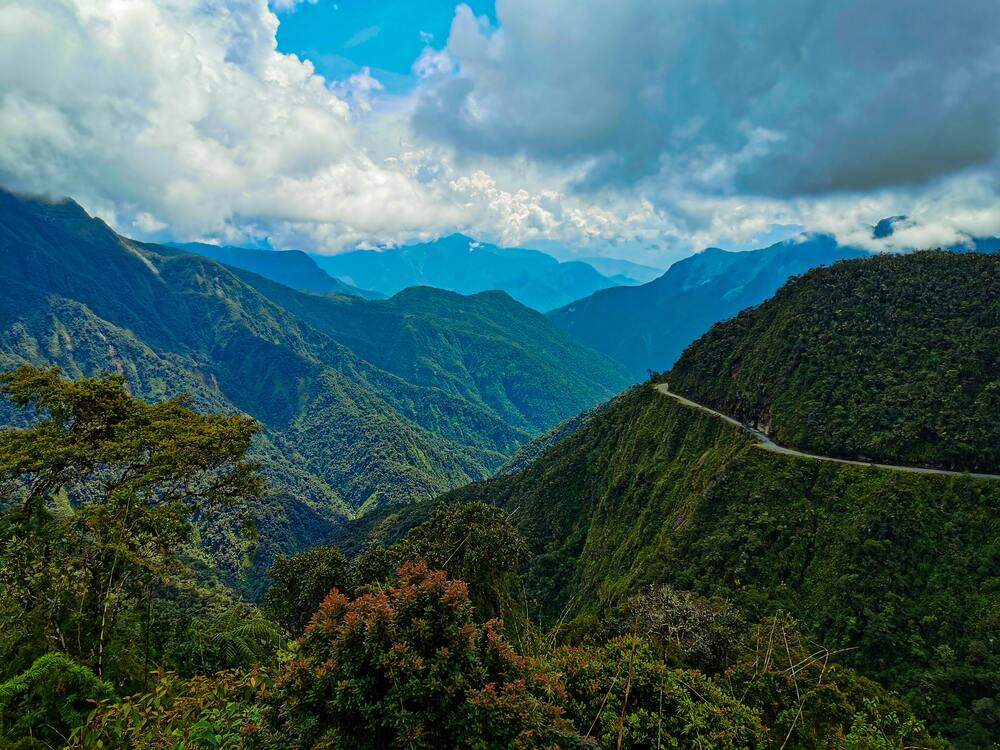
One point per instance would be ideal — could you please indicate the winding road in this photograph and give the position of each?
(765, 443)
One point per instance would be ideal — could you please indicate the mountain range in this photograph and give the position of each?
(362, 402)
(647, 327)
(292, 268)
(462, 264)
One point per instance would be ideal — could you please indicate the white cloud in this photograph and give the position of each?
(778, 97)
(284, 6)
(359, 89)
(433, 63)
(148, 224)
(184, 111)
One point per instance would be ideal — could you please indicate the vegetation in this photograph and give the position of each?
(897, 569)
(650, 580)
(893, 358)
(408, 666)
(41, 706)
(300, 584)
(292, 268)
(360, 403)
(109, 639)
(101, 491)
(99, 497)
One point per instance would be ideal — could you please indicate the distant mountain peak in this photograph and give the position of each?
(887, 226)
(466, 265)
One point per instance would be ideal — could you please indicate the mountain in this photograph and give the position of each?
(892, 358)
(647, 327)
(461, 264)
(894, 571)
(441, 390)
(293, 268)
(624, 269)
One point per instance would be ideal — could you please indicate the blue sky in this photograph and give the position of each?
(341, 37)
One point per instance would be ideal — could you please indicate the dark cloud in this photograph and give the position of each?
(777, 97)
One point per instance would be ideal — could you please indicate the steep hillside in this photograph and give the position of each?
(899, 570)
(341, 434)
(892, 358)
(647, 327)
(896, 570)
(460, 264)
(485, 348)
(293, 268)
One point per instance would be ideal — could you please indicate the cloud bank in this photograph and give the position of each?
(774, 97)
(650, 126)
(183, 114)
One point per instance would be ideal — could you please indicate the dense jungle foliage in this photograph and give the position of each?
(898, 570)
(110, 639)
(893, 358)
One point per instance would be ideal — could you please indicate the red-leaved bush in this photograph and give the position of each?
(409, 667)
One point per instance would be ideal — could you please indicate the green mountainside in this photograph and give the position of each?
(893, 358)
(896, 572)
(899, 570)
(343, 430)
(292, 268)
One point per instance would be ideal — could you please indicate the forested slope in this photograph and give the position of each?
(343, 431)
(293, 268)
(893, 358)
(897, 569)
(647, 327)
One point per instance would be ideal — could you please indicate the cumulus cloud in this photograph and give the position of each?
(771, 97)
(184, 114)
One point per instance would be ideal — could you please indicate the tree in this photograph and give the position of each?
(101, 444)
(620, 695)
(217, 712)
(40, 706)
(301, 582)
(103, 488)
(472, 542)
(408, 667)
(690, 629)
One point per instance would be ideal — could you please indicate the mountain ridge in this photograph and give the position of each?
(292, 268)
(647, 327)
(461, 264)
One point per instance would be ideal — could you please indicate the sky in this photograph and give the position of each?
(644, 129)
